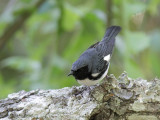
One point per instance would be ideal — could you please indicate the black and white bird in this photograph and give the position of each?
(92, 66)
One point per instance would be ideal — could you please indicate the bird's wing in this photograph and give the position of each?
(84, 60)
(103, 48)
(94, 45)
(97, 54)
(93, 58)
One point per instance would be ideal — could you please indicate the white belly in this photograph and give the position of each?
(88, 82)
(92, 82)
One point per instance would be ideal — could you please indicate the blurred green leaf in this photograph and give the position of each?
(155, 42)
(6, 88)
(133, 69)
(155, 64)
(20, 63)
(136, 41)
(153, 6)
(71, 17)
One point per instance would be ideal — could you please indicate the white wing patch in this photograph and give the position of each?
(95, 74)
(107, 58)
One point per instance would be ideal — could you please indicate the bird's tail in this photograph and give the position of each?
(111, 33)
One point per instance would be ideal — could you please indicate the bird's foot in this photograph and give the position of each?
(111, 95)
(91, 87)
(107, 77)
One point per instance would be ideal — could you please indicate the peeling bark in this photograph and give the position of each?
(114, 99)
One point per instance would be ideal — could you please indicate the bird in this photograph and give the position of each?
(93, 64)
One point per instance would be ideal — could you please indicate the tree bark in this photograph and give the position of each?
(114, 99)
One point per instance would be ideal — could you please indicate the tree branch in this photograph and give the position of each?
(109, 12)
(114, 99)
(16, 25)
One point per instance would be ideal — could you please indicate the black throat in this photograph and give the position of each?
(83, 73)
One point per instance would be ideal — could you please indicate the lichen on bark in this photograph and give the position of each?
(113, 99)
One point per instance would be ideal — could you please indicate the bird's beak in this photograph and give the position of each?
(71, 73)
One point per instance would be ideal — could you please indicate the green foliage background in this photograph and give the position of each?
(40, 54)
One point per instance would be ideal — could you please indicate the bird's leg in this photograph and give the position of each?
(90, 88)
(111, 93)
(107, 77)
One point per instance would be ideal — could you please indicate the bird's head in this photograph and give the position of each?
(78, 65)
(71, 73)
